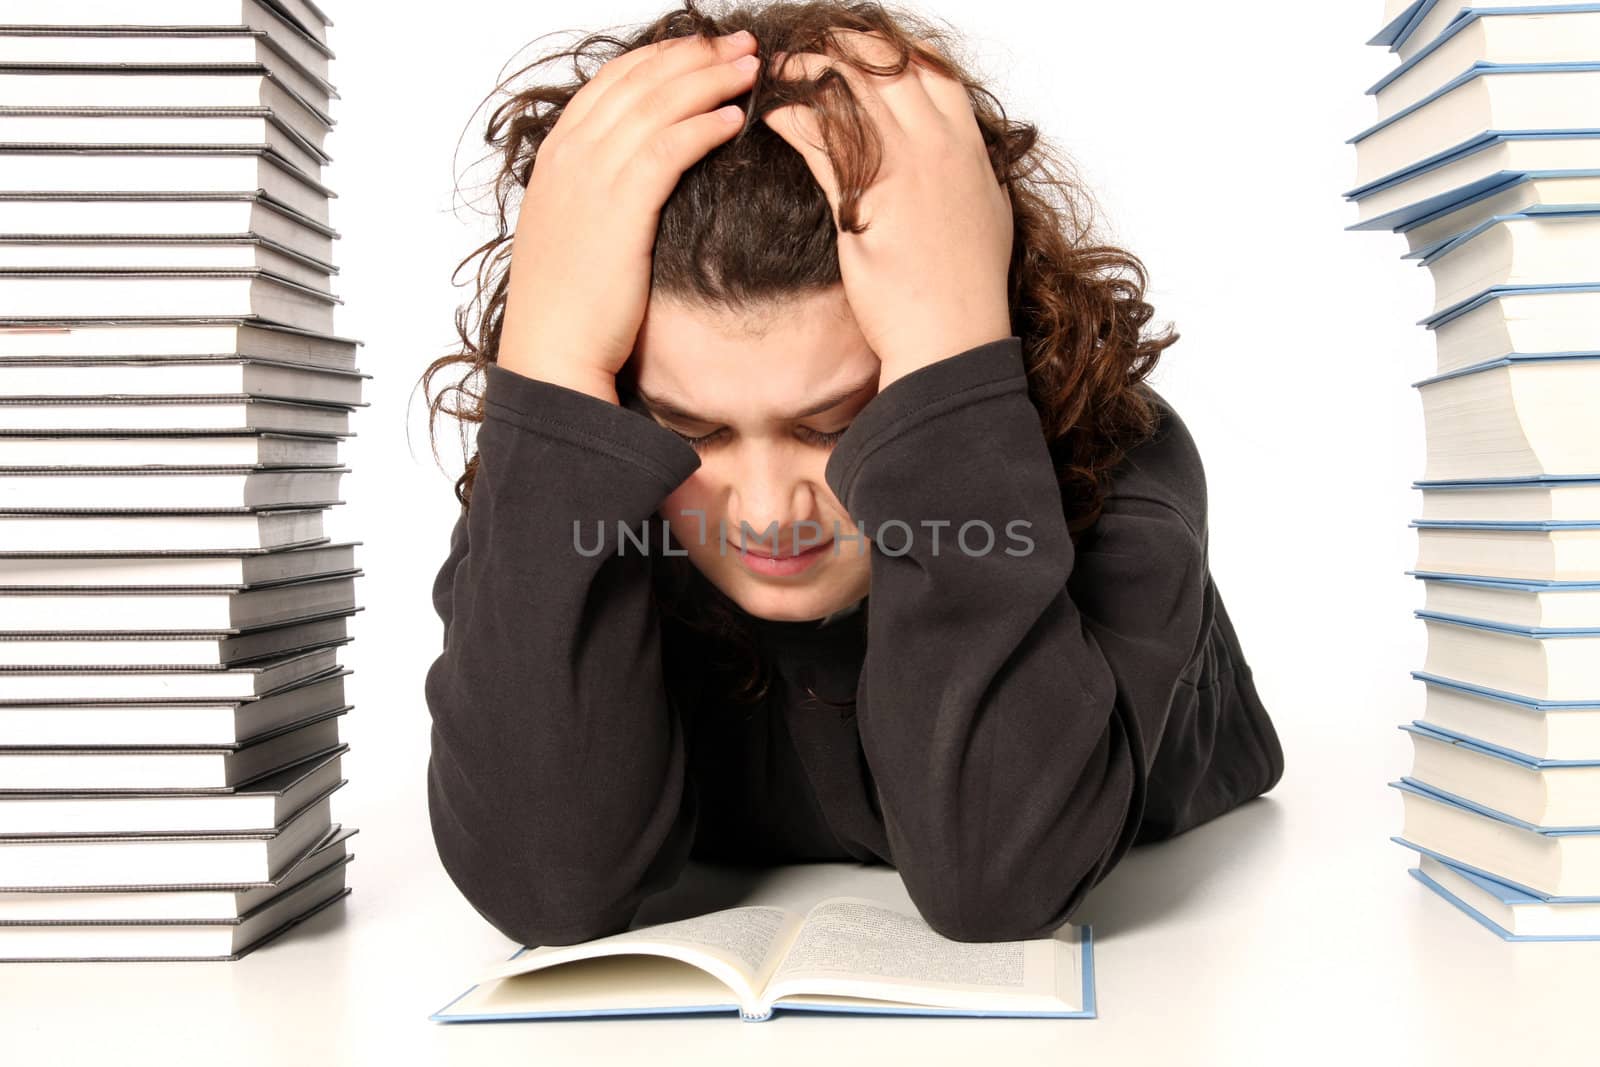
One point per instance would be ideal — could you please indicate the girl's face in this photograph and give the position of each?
(768, 392)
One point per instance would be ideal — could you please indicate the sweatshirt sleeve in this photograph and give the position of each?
(556, 781)
(1010, 755)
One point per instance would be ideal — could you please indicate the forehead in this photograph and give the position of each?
(741, 365)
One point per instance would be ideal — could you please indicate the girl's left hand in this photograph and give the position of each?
(929, 278)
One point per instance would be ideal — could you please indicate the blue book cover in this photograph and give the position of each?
(1521, 585)
(1538, 480)
(1403, 32)
(1503, 524)
(1427, 209)
(1391, 30)
(1432, 251)
(1487, 193)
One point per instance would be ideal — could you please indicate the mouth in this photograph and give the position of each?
(748, 551)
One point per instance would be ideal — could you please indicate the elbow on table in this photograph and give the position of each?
(1012, 915)
(524, 920)
(1030, 886)
(530, 902)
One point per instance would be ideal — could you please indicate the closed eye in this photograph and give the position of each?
(820, 439)
(815, 437)
(699, 443)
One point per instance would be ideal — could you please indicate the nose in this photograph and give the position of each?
(771, 496)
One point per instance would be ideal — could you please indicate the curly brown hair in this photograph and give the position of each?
(748, 226)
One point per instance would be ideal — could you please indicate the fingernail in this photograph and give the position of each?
(741, 37)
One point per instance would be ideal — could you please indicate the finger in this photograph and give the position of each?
(659, 60)
(809, 66)
(696, 92)
(957, 108)
(904, 93)
(798, 127)
(947, 94)
(610, 71)
(656, 168)
(640, 91)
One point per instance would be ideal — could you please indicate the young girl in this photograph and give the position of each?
(819, 510)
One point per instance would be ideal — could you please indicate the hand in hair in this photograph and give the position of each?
(579, 281)
(929, 276)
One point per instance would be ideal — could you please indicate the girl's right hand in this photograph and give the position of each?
(580, 268)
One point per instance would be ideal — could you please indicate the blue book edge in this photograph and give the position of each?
(1475, 71)
(1408, 784)
(1528, 703)
(1466, 19)
(1461, 307)
(1498, 879)
(1479, 143)
(1392, 28)
(1419, 212)
(1543, 525)
(1526, 585)
(1503, 893)
(1488, 923)
(1434, 321)
(1516, 180)
(1551, 632)
(1418, 13)
(1500, 752)
(1511, 359)
(1429, 253)
(1401, 34)
(1090, 1009)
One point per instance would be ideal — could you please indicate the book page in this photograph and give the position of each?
(742, 944)
(744, 937)
(855, 942)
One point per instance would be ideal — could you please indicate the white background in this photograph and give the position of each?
(1213, 136)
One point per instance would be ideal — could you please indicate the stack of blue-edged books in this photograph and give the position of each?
(1486, 155)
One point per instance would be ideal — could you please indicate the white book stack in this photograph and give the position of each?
(1485, 154)
(172, 399)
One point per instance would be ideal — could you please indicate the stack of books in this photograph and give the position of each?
(172, 396)
(1486, 156)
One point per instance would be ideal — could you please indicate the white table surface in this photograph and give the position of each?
(1286, 930)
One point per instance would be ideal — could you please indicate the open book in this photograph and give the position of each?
(846, 954)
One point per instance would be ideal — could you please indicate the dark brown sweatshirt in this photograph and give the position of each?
(1019, 719)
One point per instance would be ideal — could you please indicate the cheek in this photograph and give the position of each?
(688, 512)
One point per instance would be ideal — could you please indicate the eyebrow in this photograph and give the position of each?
(665, 406)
